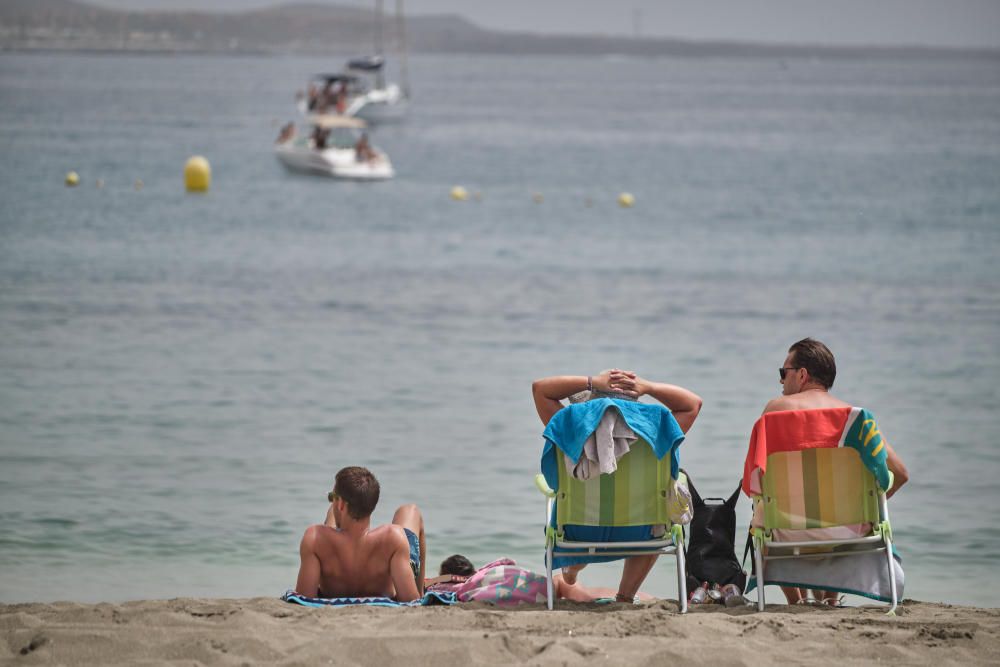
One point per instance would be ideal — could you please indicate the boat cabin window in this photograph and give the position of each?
(343, 137)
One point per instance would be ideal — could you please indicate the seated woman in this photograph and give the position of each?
(287, 133)
(363, 151)
(685, 405)
(502, 582)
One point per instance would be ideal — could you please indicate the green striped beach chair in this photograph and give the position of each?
(634, 495)
(822, 491)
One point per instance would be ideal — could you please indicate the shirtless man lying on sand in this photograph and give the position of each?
(345, 557)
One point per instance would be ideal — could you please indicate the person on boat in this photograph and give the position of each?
(325, 99)
(346, 557)
(363, 152)
(319, 137)
(342, 98)
(548, 394)
(286, 134)
(807, 375)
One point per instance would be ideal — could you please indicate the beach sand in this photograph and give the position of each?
(268, 631)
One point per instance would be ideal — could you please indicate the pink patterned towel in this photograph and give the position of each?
(501, 582)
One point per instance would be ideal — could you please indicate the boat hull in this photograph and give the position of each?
(334, 162)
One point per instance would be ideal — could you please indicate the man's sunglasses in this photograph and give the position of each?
(332, 496)
(783, 371)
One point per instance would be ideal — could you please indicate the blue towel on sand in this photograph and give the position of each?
(429, 598)
(569, 429)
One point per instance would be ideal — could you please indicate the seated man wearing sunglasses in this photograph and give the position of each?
(345, 557)
(806, 378)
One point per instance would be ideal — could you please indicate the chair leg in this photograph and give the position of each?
(758, 558)
(548, 575)
(682, 597)
(892, 576)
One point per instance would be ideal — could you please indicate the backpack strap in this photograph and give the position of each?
(733, 499)
(749, 545)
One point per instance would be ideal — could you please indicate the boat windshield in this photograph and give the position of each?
(352, 83)
(343, 137)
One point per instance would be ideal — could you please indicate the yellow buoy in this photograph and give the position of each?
(72, 179)
(138, 184)
(626, 200)
(197, 174)
(458, 193)
(538, 198)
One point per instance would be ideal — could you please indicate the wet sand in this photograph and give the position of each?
(268, 631)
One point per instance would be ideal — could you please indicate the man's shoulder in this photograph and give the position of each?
(803, 401)
(777, 405)
(390, 534)
(316, 535)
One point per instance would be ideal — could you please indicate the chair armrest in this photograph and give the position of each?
(543, 486)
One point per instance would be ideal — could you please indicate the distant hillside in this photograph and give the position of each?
(326, 29)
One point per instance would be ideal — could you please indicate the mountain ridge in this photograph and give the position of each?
(310, 28)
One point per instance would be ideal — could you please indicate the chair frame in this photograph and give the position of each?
(879, 541)
(672, 546)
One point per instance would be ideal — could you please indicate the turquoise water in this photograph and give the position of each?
(182, 374)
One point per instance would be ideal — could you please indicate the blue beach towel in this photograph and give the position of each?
(429, 598)
(569, 429)
(567, 432)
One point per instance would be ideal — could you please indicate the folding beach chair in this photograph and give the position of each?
(634, 495)
(822, 490)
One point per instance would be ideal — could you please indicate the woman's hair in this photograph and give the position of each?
(457, 564)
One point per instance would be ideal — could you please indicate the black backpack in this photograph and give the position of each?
(711, 552)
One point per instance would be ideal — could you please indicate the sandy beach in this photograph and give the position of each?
(268, 631)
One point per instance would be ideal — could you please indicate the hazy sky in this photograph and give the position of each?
(851, 22)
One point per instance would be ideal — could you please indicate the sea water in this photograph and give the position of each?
(184, 374)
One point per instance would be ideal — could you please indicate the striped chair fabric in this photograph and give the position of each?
(818, 488)
(635, 495)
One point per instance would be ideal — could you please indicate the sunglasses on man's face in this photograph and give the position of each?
(783, 371)
(332, 496)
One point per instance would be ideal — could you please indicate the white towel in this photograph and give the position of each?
(609, 442)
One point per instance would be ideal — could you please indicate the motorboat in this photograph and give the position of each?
(361, 90)
(379, 102)
(336, 146)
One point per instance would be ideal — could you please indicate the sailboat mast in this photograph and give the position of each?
(403, 65)
(380, 74)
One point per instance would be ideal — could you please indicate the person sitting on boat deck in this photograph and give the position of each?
(345, 557)
(341, 104)
(325, 98)
(312, 96)
(684, 403)
(286, 134)
(806, 377)
(319, 137)
(363, 152)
